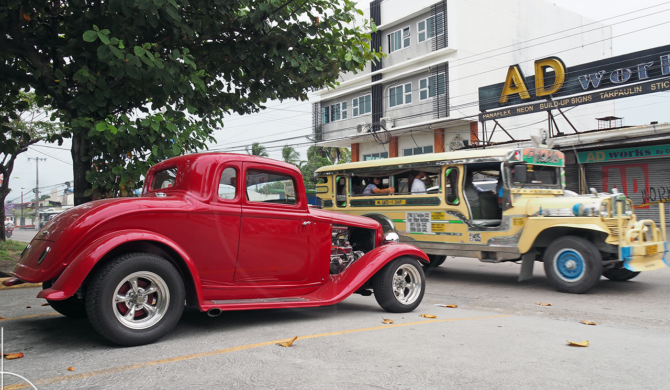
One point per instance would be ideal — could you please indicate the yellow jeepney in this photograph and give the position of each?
(500, 205)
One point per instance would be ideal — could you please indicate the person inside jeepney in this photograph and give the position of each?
(473, 193)
(373, 188)
(418, 186)
(499, 190)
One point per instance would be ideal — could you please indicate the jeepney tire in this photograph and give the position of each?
(620, 274)
(435, 261)
(156, 312)
(399, 286)
(72, 307)
(572, 264)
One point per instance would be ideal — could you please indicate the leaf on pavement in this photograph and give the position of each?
(70, 368)
(544, 304)
(451, 306)
(427, 316)
(584, 343)
(288, 343)
(28, 307)
(587, 322)
(12, 356)
(45, 304)
(387, 321)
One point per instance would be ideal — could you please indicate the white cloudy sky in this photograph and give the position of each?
(293, 119)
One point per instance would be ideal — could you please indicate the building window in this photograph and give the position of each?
(418, 150)
(399, 95)
(398, 39)
(334, 112)
(362, 105)
(375, 156)
(431, 27)
(432, 86)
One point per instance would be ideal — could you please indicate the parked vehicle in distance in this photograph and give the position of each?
(501, 205)
(209, 230)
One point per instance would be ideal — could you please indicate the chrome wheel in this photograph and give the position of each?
(406, 284)
(141, 300)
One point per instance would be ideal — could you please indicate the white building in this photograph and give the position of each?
(439, 53)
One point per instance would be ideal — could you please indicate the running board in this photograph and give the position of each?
(257, 300)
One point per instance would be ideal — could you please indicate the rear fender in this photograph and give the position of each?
(76, 272)
(357, 274)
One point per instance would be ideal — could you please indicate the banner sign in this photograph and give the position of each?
(593, 97)
(553, 79)
(624, 154)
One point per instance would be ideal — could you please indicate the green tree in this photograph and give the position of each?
(257, 150)
(290, 155)
(138, 81)
(22, 123)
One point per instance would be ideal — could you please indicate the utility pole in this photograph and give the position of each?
(37, 190)
(23, 218)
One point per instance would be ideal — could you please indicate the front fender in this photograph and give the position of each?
(69, 281)
(354, 277)
(536, 225)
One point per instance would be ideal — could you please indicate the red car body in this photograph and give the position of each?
(233, 254)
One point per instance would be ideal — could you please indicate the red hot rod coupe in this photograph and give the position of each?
(219, 232)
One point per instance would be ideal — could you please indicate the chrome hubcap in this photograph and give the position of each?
(406, 284)
(141, 300)
(570, 264)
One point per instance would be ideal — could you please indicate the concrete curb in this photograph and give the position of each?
(24, 285)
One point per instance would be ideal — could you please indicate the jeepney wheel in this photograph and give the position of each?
(435, 261)
(72, 307)
(399, 286)
(620, 274)
(135, 299)
(573, 264)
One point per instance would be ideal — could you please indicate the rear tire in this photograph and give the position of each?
(619, 274)
(573, 264)
(72, 307)
(135, 299)
(399, 286)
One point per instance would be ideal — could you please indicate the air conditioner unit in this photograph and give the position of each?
(362, 128)
(387, 123)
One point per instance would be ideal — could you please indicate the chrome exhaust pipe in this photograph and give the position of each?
(214, 312)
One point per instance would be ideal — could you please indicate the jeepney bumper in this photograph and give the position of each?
(646, 257)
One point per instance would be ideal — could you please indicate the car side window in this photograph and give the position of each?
(270, 187)
(164, 179)
(228, 184)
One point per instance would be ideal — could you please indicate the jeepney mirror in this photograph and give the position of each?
(520, 173)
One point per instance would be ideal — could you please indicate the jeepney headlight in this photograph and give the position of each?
(604, 210)
(629, 208)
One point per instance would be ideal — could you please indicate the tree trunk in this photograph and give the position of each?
(4, 191)
(80, 165)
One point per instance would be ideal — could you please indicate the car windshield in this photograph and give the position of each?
(538, 176)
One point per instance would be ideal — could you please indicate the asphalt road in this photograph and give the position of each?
(498, 337)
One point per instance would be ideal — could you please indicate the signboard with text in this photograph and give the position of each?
(636, 153)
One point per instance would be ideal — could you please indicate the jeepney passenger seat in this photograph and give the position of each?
(472, 197)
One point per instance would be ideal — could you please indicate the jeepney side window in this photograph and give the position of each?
(341, 191)
(451, 185)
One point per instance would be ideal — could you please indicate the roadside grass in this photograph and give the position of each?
(10, 251)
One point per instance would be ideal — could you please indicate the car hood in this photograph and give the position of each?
(346, 219)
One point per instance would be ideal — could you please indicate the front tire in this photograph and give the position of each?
(573, 264)
(135, 299)
(435, 261)
(619, 274)
(399, 286)
(72, 307)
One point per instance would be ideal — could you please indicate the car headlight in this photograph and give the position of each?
(604, 210)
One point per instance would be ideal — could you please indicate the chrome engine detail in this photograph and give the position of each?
(342, 252)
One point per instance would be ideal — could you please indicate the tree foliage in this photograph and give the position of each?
(258, 150)
(319, 156)
(290, 155)
(138, 81)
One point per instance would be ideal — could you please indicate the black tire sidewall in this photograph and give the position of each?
(593, 265)
(102, 289)
(72, 307)
(620, 274)
(382, 285)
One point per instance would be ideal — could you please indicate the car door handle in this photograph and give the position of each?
(306, 223)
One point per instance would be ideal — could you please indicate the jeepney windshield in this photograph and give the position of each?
(536, 176)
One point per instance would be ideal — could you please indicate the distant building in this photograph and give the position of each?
(438, 54)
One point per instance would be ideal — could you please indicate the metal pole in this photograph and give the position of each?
(23, 219)
(37, 190)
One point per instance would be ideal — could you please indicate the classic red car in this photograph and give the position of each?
(221, 232)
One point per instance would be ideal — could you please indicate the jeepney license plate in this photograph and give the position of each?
(389, 202)
(651, 250)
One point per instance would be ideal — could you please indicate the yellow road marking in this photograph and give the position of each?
(24, 285)
(31, 316)
(113, 370)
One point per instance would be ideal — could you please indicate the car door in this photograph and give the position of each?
(275, 244)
